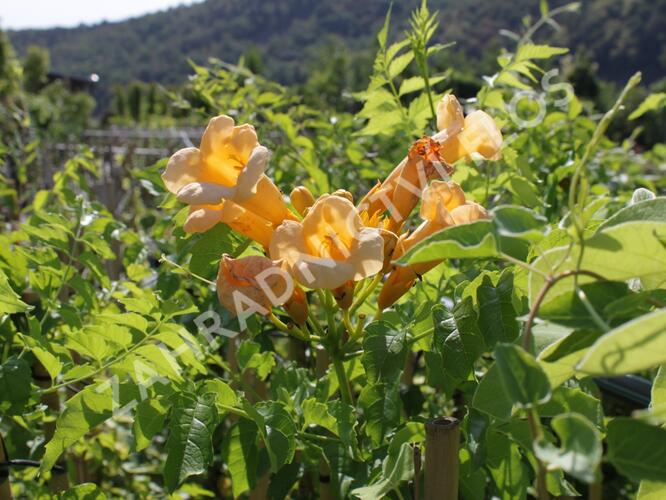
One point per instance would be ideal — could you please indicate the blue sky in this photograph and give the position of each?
(18, 14)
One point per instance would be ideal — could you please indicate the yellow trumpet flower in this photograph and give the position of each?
(229, 165)
(443, 205)
(330, 246)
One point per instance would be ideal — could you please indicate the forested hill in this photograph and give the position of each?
(292, 36)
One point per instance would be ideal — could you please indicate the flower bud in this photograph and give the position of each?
(301, 199)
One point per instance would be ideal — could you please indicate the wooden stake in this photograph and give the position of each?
(441, 459)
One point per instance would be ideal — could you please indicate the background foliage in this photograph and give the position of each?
(106, 373)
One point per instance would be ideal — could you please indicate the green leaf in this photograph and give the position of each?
(559, 360)
(518, 222)
(634, 346)
(223, 394)
(573, 400)
(472, 240)
(83, 411)
(10, 302)
(651, 103)
(148, 422)
(648, 210)
(240, 453)
(381, 407)
(579, 452)
(491, 396)
(507, 469)
(530, 51)
(277, 429)
(457, 352)
(618, 253)
(84, 491)
(651, 490)
(567, 309)
(15, 380)
(52, 364)
(497, 317)
(415, 83)
(209, 247)
(637, 449)
(190, 443)
(384, 351)
(522, 377)
(250, 357)
(399, 64)
(395, 469)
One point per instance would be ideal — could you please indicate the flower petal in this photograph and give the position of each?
(469, 212)
(184, 167)
(450, 118)
(204, 193)
(246, 185)
(367, 254)
(201, 219)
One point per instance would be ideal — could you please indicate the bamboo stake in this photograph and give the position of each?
(441, 458)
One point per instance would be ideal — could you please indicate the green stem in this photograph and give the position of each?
(164, 258)
(537, 434)
(343, 382)
(366, 293)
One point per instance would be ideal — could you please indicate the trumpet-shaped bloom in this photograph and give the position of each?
(241, 220)
(458, 137)
(476, 133)
(253, 283)
(443, 205)
(229, 165)
(330, 246)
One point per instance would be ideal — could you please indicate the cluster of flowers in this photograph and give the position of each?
(328, 242)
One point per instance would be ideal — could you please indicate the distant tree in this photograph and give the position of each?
(135, 101)
(119, 101)
(151, 107)
(35, 69)
(253, 60)
(10, 70)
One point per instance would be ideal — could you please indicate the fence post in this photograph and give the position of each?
(441, 458)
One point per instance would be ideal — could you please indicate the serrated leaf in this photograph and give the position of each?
(530, 51)
(82, 412)
(651, 103)
(10, 302)
(190, 443)
(415, 83)
(277, 429)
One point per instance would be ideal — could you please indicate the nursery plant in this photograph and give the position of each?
(291, 308)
